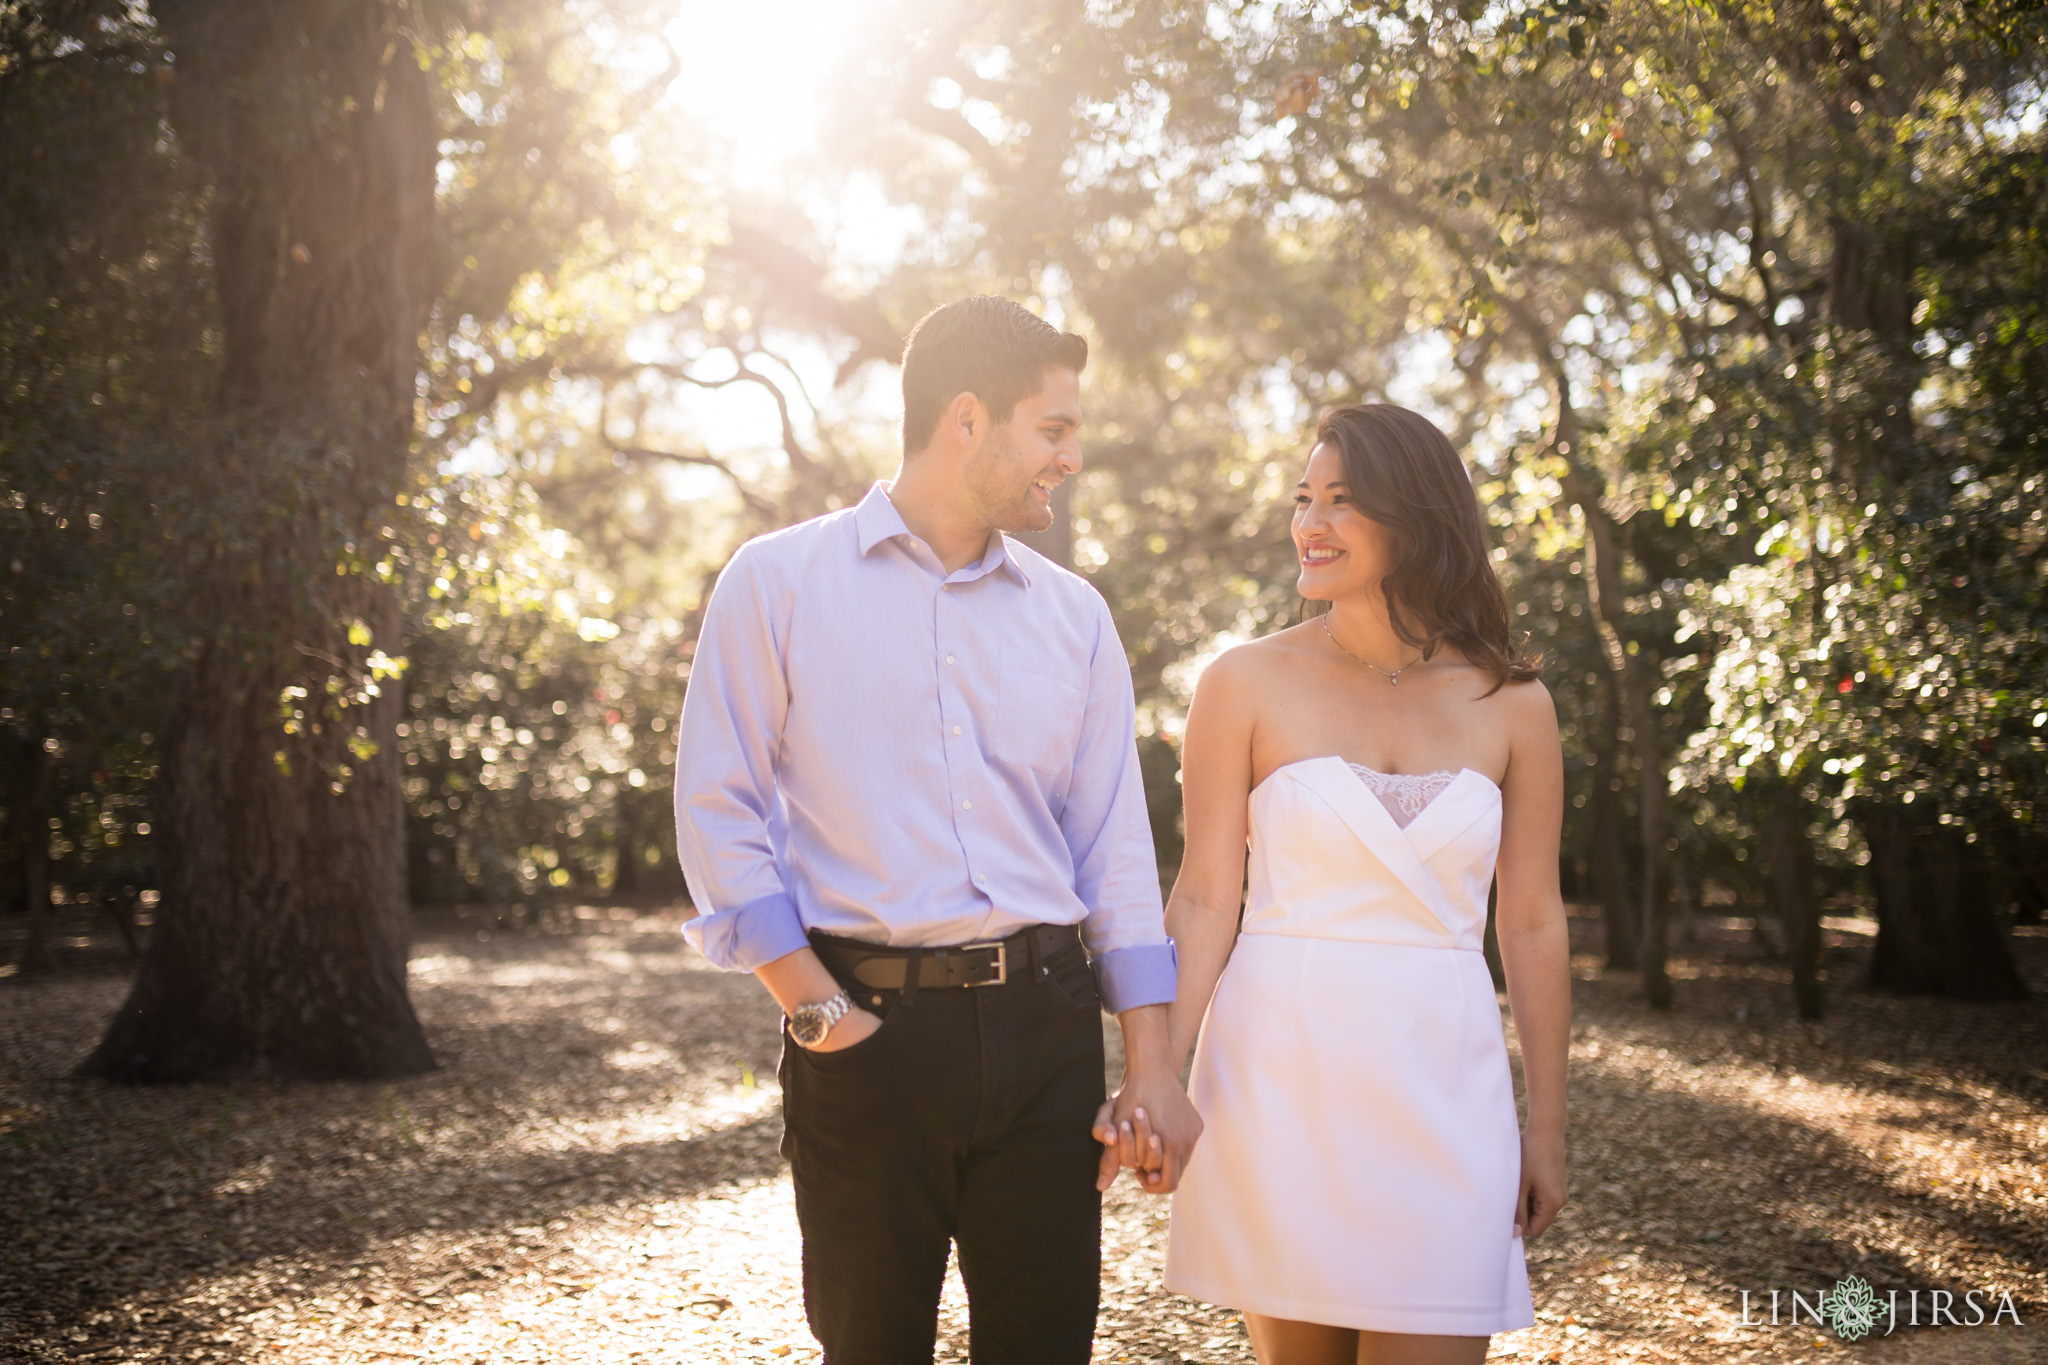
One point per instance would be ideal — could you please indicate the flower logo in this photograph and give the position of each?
(1851, 1307)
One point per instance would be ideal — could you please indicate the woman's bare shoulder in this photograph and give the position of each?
(1242, 674)
(1529, 707)
(1255, 660)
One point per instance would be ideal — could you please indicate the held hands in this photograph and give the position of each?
(1149, 1125)
(1541, 1194)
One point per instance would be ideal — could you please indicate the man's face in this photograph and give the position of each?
(1011, 474)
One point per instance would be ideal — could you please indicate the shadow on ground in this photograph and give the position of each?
(593, 1174)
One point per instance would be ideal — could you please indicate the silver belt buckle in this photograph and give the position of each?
(1002, 952)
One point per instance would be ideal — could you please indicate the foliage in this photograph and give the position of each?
(110, 516)
(534, 734)
(95, 417)
(1656, 264)
(1755, 292)
(1893, 648)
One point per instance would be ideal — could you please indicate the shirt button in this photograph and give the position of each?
(949, 658)
(945, 587)
(966, 805)
(956, 729)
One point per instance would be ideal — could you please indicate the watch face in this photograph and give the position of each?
(807, 1026)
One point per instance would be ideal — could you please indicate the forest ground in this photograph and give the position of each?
(592, 1175)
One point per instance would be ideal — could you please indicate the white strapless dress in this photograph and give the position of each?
(1360, 1153)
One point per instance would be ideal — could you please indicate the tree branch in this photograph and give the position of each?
(755, 503)
(16, 65)
(798, 282)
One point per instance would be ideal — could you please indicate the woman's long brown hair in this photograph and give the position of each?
(1403, 473)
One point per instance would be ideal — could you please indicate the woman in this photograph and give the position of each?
(1361, 1190)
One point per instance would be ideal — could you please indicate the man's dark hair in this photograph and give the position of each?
(987, 346)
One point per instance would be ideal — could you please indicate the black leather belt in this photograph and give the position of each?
(998, 962)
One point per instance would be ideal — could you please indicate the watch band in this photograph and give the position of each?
(808, 1024)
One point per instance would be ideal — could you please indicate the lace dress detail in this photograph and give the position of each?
(1404, 795)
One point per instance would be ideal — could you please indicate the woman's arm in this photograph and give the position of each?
(1201, 914)
(1535, 946)
(1202, 911)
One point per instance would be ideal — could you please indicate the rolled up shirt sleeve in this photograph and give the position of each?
(1109, 833)
(733, 714)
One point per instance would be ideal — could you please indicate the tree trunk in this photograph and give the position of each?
(1760, 931)
(1610, 865)
(32, 853)
(121, 910)
(2017, 868)
(625, 862)
(1793, 879)
(2029, 896)
(1586, 489)
(1685, 887)
(1936, 931)
(1870, 280)
(281, 937)
(1631, 678)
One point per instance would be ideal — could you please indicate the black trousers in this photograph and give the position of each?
(964, 1118)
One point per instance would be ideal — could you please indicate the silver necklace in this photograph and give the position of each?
(1393, 677)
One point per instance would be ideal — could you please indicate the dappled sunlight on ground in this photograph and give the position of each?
(593, 1176)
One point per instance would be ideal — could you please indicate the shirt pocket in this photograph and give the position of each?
(1038, 712)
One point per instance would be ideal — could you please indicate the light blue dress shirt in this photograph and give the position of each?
(875, 748)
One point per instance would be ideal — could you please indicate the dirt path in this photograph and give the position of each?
(592, 1176)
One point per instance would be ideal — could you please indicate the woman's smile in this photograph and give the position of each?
(1316, 556)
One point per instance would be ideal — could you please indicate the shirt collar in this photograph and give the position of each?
(1002, 555)
(877, 520)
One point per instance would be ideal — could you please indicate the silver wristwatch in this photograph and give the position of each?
(809, 1024)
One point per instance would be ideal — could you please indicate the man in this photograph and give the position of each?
(907, 797)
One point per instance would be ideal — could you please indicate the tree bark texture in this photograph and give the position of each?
(1610, 863)
(1686, 888)
(1630, 678)
(1794, 880)
(2026, 873)
(31, 831)
(1870, 292)
(1870, 281)
(1936, 930)
(281, 938)
(1586, 489)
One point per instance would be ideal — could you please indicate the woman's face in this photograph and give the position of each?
(1342, 551)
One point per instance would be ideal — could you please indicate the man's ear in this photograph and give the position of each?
(966, 419)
